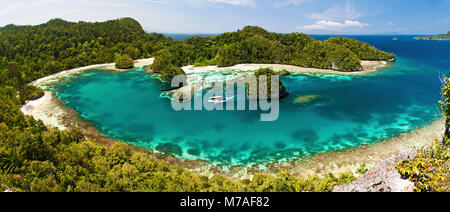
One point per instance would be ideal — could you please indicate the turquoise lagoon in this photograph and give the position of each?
(353, 109)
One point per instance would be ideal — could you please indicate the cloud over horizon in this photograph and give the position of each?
(331, 25)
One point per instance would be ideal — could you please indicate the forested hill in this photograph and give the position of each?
(256, 45)
(253, 44)
(58, 45)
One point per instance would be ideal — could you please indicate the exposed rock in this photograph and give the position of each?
(306, 99)
(382, 178)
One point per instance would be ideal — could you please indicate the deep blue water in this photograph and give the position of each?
(352, 109)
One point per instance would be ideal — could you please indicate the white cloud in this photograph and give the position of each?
(154, 1)
(103, 4)
(212, 3)
(331, 25)
(288, 2)
(348, 11)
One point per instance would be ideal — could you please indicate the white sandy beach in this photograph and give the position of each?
(368, 67)
(196, 76)
(50, 113)
(137, 63)
(48, 109)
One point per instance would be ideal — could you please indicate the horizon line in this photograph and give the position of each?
(218, 33)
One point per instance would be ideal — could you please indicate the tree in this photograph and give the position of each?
(445, 108)
(269, 73)
(169, 72)
(363, 50)
(164, 65)
(162, 60)
(124, 62)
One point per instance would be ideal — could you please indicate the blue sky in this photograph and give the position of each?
(216, 16)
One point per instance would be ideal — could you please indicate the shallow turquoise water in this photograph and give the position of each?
(353, 109)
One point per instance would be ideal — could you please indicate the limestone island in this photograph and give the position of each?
(437, 37)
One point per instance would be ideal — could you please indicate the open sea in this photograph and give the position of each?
(351, 110)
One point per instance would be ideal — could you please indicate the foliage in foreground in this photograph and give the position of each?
(34, 158)
(444, 104)
(429, 169)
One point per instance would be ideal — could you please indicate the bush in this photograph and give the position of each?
(124, 62)
(362, 169)
(162, 60)
(164, 65)
(269, 73)
(429, 168)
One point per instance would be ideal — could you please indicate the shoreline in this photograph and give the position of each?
(368, 67)
(351, 159)
(50, 109)
(111, 66)
(53, 113)
(194, 74)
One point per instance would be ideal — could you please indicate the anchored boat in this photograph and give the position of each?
(219, 99)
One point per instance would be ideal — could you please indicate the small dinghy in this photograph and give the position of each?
(219, 99)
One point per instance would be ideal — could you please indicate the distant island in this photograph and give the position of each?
(437, 37)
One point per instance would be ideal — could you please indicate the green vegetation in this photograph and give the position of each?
(255, 45)
(254, 94)
(327, 55)
(437, 37)
(164, 65)
(362, 169)
(36, 158)
(429, 169)
(31, 52)
(364, 51)
(124, 62)
(444, 103)
(443, 36)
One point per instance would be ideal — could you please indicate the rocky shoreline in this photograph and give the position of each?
(384, 177)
